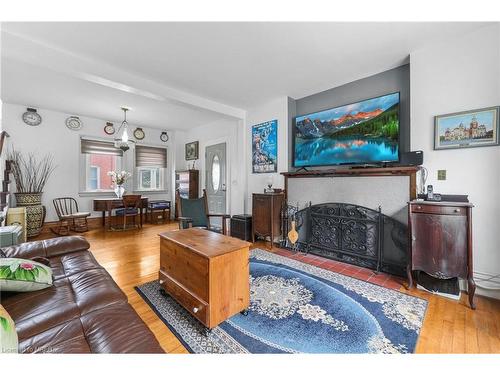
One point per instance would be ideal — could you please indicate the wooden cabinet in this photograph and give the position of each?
(266, 215)
(440, 234)
(188, 184)
(205, 272)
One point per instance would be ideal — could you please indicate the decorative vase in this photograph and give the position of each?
(119, 190)
(35, 212)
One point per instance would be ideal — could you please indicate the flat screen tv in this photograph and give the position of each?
(365, 132)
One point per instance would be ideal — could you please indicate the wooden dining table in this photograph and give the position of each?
(109, 204)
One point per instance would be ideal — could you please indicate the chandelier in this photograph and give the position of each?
(124, 142)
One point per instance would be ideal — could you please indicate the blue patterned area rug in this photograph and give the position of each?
(299, 308)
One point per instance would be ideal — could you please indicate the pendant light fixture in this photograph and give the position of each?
(123, 143)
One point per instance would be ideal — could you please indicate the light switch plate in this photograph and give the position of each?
(442, 174)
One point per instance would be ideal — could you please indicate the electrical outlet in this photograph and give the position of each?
(442, 174)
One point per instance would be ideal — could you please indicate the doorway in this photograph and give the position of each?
(215, 181)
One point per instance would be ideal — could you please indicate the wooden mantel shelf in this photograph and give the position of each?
(343, 172)
(360, 172)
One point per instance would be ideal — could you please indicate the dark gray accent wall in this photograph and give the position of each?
(397, 79)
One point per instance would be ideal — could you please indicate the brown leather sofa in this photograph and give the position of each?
(83, 312)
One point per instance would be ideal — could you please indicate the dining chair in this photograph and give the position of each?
(131, 208)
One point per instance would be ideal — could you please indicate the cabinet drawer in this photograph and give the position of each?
(438, 210)
(186, 267)
(195, 306)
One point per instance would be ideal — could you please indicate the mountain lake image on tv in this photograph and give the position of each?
(365, 132)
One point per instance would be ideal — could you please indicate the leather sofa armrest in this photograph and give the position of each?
(47, 248)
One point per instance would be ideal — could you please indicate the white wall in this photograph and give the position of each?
(230, 132)
(276, 109)
(53, 137)
(458, 75)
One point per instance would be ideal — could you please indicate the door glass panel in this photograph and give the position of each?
(215, 173)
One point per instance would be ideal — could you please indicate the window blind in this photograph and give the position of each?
(146, 156)
(91, 146)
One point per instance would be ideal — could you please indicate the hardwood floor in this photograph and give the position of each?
(133, 258)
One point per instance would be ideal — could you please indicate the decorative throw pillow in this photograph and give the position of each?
(2, 254)
(8, 334)
(23, 275)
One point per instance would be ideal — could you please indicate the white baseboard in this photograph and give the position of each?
(480, 279)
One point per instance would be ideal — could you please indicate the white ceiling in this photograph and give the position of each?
(180, 75)
(43, 88)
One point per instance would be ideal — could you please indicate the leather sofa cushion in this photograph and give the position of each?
(94, 290)
(68, 264)
(38, 311)
(67, 337)
(118, 329)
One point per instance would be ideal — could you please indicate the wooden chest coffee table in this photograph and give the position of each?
(206, 272)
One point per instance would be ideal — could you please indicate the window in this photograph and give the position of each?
(94, 177)
(150, 163)
(150, 178)
(96, 160)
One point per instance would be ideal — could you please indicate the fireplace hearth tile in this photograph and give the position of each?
(351, 270)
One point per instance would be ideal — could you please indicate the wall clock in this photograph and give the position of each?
(164, 136)
(74, 123)
(31, 117)
(109, 128)
(139, 134)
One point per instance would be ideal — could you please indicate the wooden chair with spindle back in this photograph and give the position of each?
(131, 208)
(70, 217)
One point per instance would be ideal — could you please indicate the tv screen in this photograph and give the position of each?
(365, 132)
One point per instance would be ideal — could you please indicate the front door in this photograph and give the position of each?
(215, 183)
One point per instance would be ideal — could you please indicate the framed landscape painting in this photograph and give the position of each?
(265, 147)
(474, 128)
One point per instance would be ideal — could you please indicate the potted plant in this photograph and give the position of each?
(118, 179)
(30, 176)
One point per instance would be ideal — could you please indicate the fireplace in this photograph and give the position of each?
(374, 237)
(353, 234)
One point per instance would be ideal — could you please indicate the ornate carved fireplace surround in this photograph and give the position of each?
(352, 233)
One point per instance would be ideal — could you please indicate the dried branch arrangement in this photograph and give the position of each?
(30, 173)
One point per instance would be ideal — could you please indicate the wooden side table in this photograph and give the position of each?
(266, 215)
(440, 238)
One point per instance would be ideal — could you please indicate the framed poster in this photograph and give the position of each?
(192, 150)
(265, 147)
(466, 129)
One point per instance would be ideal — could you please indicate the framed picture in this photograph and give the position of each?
(265, 147)
(474, 128)
(192, 150)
